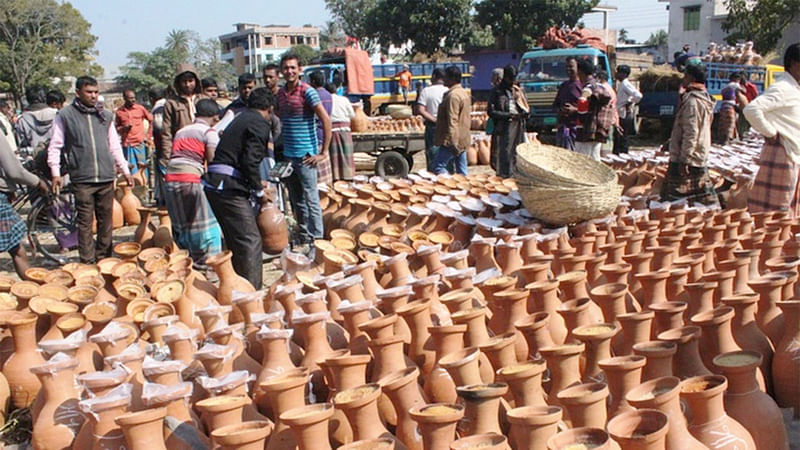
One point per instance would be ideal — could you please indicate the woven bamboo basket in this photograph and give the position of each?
(548, 165)
(563, 206)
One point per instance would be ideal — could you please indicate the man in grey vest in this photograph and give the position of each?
(85, 134)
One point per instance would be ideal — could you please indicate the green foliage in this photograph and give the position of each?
(354, 17)
(519, 23)
(44, 42)
(480, 37)
(156, 69)
(430, 25)
(304, 53)
(657, 38)
(762, 22)
(332, 35)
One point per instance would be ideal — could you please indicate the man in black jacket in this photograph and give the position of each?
(233, 178)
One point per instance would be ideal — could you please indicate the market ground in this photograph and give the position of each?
(272, 273)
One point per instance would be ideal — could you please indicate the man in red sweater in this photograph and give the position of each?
(129, 121)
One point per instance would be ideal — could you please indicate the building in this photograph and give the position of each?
(253, 46)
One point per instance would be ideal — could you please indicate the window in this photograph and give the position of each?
(691, 18)
(267, 40)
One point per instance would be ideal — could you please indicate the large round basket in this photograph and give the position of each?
(544, 165)
(563, 206)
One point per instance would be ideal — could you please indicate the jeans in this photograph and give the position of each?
(304, 195)
(94, 200)
(446, 155)
(242, 236)
(430, 149)
(135, 155)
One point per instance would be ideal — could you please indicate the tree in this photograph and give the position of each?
(304, 53)
(518, 23)
(331, 35)
(44, 42)
(428, 25)
(762, 22)
(206, 56)
(657, 38)
(354, 18)
(180, 41)
(622, 36)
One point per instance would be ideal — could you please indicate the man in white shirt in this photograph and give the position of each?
(427, 107)
(776, 115)
(627, 99)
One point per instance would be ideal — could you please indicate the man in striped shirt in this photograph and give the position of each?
(298, 104)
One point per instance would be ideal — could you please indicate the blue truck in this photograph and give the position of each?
(542, 71)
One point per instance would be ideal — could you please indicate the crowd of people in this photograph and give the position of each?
(216, 162)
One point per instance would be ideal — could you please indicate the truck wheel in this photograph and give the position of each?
(391, 164)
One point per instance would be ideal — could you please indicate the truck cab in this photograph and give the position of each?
(540, 74)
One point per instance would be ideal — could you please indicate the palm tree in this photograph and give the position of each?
(657, 38)
(179, 41)
(622, 36)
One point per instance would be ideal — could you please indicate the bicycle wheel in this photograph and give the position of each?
(52, 226)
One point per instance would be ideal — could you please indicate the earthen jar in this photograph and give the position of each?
(653, 287)
(353, 316)
(597, 341)
(636, 327)
(640, 429)
(544, 298)
(786, 361)
(695, 262)
(144, 232)
(489, 441)
(746, 403)
(768, 316)
(360, 405)
(24, 385)
(623, 373)
(229, 281)
(585, 404)
(611, 299)
(100, 431)
(701, 297)
(662, 394)
(500, 352)
(594, 438)
(576, 314)
(309, 424)
(311, 328)
(686, 362)
(615, 251)
(130, 205)
(143, 429)
(437, 424)
(509, 257)
(482, 252)
(405, 394)
(532, 426)
(593, 274)
(284, 392)
(659, 356)
(176, 398)
(668, 315)
(662, 257)
(525, 382)
(245, 436)
(439, 385)
(417, 316)
(481, 408)
(709, 422)
(563, 361)
(640, 264)
(275, 351)
(747, 334)
(475, 320)
(532, 273)
(223, 410)
(716, 337)
(676, 284)
(536, 330)
(509, 306)
(58, 419)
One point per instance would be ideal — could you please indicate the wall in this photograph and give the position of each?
(711, 17)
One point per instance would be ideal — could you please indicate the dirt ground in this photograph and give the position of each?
(272, 273)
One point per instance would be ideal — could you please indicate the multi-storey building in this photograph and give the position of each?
(253, 46)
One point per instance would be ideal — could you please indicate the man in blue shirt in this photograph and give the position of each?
(298, 105)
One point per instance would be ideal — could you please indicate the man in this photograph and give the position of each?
(452, 135)
(178, 112)
(404, 82)
(683, 57)
(129, 121)
(55, 99)
(86, 134)
(733, 99)
(35, 125)
(297, 105)
(627, 99)
(343, 166)
(270, 74)
(508, 109)
(7, 130)
(7, 110)
(210, 88)
(233, 177)
(687, 175)
(428, 107)
(193, 223)
(595, 112)
(776, 115)
(245, 85)
(566, 98)
(317, 78)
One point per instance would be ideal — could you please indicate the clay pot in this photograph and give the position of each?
(481, 408)
(544, 298)
(640, 429)
(244, 436)
(536, 330)
(57, 419)
(746, 403)
(309, 424)
(563, 361)
(659, 358)
(525, 382)
(284, 392)
(272, 225)
(786, 362)
(130, 205)
(405, 394)
(360, 405)
(229, 281)
(635, 329)
(585, 404)
(143, 429)
(623, 373)
(24, 385)
(100, 430)
(747, 334)
(223, 410)
(358, 123)
(447, 339)
(594, 438)
(668, 315)
(437, 424)
(662, 394)
(532, 426)
(768, 316)
(686, 362)
(597, 339)
(709, 422)
(716, 336)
